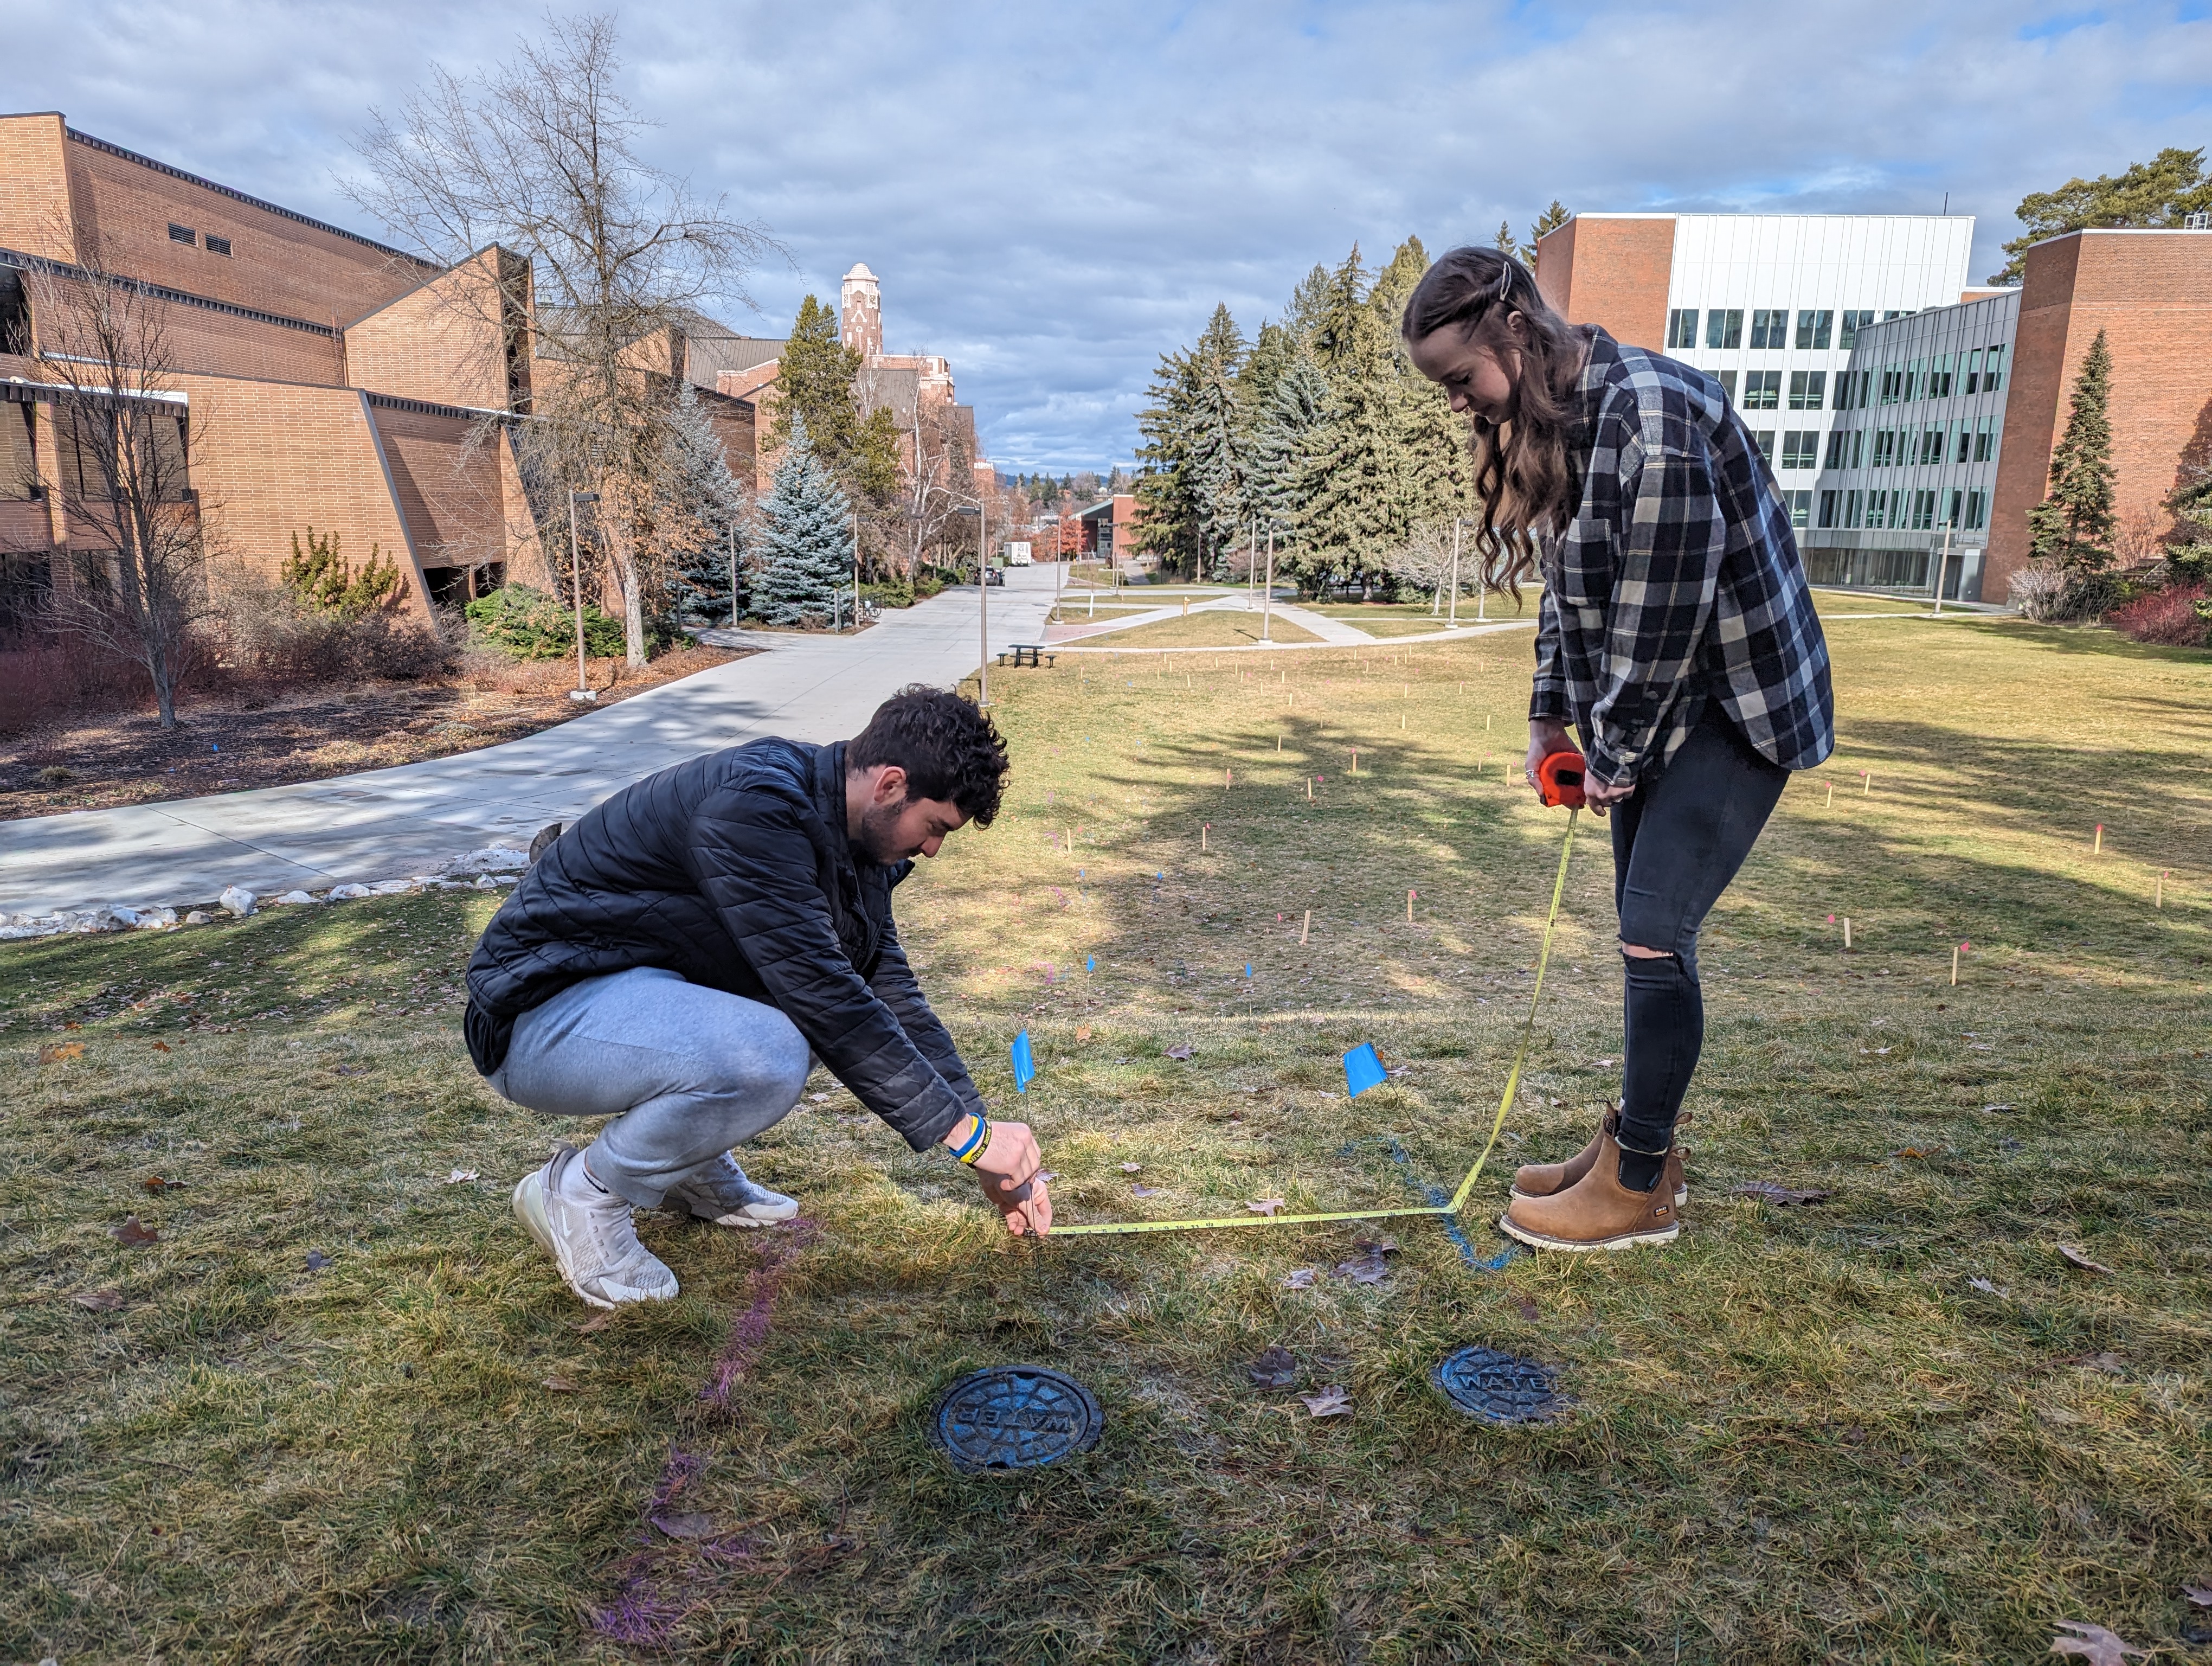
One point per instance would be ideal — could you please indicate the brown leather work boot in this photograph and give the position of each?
(1597, 1212)
(1548, 1179)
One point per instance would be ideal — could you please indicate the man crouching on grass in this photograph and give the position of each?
(677, 959)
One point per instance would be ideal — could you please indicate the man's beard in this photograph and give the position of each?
(878, 832)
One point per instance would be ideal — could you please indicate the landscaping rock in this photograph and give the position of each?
(492, 859)
(196, 917)
(156, 919)
(347, 893)
(238, 900)
(390, 887)
(295, 896)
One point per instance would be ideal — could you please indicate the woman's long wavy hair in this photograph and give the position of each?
(1527, 476)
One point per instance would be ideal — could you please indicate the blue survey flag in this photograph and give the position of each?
(1363, 1070)
(1025, 1067)
(1090, 962)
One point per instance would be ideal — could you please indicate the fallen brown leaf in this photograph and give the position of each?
(1083, 1032)
(2095, 1644)
(1301, 1278)
(2200, 1595)
(596, 1323)
(560, 1386)
(1334, 1401)
(2109, 1363)
(462, 1176)
(1368, 1267)
(1145, 1191)
(1767, 1192)
(67, 1025)
(1131, 1168)
(1276, 1367)
(1181, 1050)
(317, 1261)
(1908, 1150)
(131, 1236)
(100, 1301)
(160, 1046)
(1986, 1287)
(1265, 1205)
(60, 1052)
(1528, 1309)
(688, 1524)
(155, 1183)
(2079, 1257)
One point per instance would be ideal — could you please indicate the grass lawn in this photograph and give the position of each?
(1387, 619)
(1213, 630)
(1894, 1426)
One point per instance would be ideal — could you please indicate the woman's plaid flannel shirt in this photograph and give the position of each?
(1678, 579)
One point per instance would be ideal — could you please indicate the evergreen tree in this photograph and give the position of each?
(1216, 439)
(1272, 350)
(1550, 220)
(1391, 456)
(2158, 193)
(1170, 497)
(805, 540)
(1339, 313)
(2073, 525)
(1505, 243)
(1308, 301)
(1283, 444)
(817, 377)
(708, 504)
(2189, 546)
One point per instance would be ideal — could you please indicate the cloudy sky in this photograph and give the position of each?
(1054, 195)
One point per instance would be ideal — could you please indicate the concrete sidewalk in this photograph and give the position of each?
(388, 824)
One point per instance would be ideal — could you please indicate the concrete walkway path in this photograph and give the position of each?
(389, 824)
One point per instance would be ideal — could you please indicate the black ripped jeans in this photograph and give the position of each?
(1677, 842)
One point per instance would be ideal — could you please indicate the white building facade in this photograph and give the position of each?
(1772, 304)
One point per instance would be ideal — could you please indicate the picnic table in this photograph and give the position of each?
(1027, 653)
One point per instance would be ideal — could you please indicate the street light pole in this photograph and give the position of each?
(1943, 566)
(1452, 621)
(983, 590)
(581, 694)
(1268, 600)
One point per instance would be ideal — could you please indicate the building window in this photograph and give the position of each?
(1884, 448)
(1952, 520)
(1932, 439)
(1852, 324)
(1762, 390)
(1682, 327)
(1850, 509)
(1839, 447)
(1877, 506)
(1939, 376)
(218, 245)
(1923, 511)
(1892, 385)
(1985, 440)
(1800, 448)
(1770, 329)
(1728, 384)
(1993, 370)
(1763, 439)
(1724, 329)
(1813, 328)
(1965, 443)
(1805, 389)
(1801, 509)
(1858, 447)
(1973, 370)
(1977, 506)
(1828, 507)
(183, 235)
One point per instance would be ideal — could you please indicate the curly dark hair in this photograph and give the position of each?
(948, 748)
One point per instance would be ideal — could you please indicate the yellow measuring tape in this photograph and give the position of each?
(1497, 1127)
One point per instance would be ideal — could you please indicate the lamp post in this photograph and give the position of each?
(581, 694)
(1267, 598)
(974, 506)
(1451, 621)
(1943, 565)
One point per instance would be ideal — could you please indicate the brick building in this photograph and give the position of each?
(917, 387)
(322, 379)
(1912, 412)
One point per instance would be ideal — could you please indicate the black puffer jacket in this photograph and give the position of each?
(734, 872)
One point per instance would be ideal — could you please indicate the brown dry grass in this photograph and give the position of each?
(1802, 1435)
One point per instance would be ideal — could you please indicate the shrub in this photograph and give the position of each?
(896, 594)
(2179, 616)
(324, 581)
(2051, 594)
(528, 624)
(276, 633)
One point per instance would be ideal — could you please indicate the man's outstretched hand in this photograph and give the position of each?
(1007, 1170)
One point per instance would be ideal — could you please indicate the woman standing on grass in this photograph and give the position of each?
(1676, 633)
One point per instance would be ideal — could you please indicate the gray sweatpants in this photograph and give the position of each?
(687, 1073)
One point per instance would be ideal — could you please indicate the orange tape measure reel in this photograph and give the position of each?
(1560, 780)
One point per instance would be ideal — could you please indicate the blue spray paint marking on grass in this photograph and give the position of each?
(1437, 1198)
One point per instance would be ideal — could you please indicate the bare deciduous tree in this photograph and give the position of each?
(540, 155)
(121, 469)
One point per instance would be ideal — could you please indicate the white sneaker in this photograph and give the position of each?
(590, 1235)
(718, 1191)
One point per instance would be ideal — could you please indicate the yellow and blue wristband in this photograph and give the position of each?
(978, 1138)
